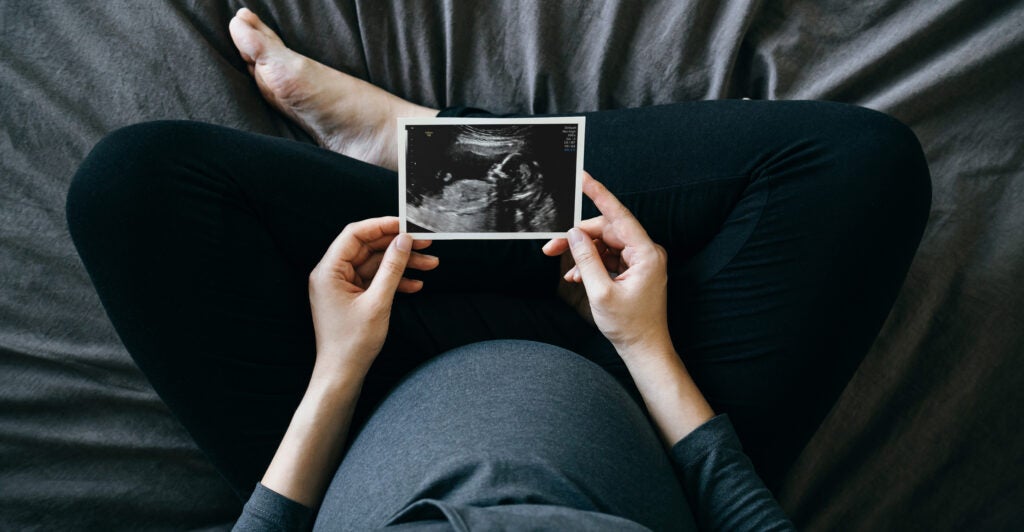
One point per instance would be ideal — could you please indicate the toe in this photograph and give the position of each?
(266, 39)
(248, 41)
(248, 16)
(254, 20)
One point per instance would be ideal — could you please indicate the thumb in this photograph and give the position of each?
(587, 261)
(392, 267)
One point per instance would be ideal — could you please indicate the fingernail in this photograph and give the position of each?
(403, 242)
(575, 236)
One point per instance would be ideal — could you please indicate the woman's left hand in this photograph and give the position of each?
(350, 293)
(352, 288)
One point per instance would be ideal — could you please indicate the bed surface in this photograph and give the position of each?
(927, 434)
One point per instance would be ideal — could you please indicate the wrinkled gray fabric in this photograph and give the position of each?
(928, 432)
(532, 454)
(534, 424)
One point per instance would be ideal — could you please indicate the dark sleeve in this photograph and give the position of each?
(269, 510)
(720, 483)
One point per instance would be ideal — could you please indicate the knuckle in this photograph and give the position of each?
(600, 294)
(584, 256)
(350, 230)
(314, 276)
(391, 267)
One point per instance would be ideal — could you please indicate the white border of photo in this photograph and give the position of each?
(579, 121)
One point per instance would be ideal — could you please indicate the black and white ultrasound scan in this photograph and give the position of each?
(501, 178)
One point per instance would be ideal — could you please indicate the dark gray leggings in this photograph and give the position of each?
(789, 228)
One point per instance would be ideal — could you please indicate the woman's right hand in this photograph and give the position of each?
(624, 273)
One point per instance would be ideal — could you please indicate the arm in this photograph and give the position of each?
(625, 276)
(631, 309)
(671, 397)
(311, 448)
(350, 292)
(298, 474)
(721, 484)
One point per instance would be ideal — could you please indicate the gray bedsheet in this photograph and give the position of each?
(928, 433)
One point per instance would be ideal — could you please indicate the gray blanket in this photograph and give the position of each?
(928, 432)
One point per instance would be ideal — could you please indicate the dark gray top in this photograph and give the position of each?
(520, 435)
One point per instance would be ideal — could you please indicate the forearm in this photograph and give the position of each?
(672, 398)
(312, 445)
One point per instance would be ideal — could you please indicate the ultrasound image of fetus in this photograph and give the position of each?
(488, 179)
(520, 201)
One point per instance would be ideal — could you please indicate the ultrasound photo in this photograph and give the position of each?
(490, 178)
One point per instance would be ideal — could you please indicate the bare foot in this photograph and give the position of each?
(343, 113)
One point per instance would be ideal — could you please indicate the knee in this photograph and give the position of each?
(888, 151)
(878, 160)
(115, 175)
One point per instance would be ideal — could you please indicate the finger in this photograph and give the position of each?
(369, 267)
(555, 247)
(634, 255)
(608, 255)
(573, 275)
(422, 262)
(381, 243)
(409, 286)
(391, 268)
(417, 261)
(612, 264)
(603, 199)
(593, 226)
(351, 244)
(368, 258)
(374, 228)
(614, 212)
(588, 263)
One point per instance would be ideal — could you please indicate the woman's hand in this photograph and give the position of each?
(352, 288)
(350, 292)
(626, 278)
(624, 273)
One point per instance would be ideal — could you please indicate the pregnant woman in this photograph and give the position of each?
(739, 259)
